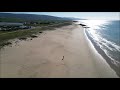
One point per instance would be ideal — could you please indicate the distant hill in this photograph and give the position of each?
(29, 17)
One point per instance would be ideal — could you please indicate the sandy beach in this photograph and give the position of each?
(61, 53)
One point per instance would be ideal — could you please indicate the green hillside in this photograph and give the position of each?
(5, 19)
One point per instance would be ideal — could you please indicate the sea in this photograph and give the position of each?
(105, 37)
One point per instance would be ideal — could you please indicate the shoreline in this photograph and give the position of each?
(102, 54)
(61, 53)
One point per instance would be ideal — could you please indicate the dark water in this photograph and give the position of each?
(106, 36)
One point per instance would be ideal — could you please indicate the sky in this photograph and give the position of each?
(83, 15)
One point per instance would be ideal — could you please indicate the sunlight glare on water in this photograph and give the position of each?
(99, 32)
(94, 26)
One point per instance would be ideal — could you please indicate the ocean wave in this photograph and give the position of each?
(105, 45)
(113, 61)
(112, 44)
(100, 40)
(105, 36)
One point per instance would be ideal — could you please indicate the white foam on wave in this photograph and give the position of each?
(112, 60)
(107, 44)
(100, 40)
(110, 72)
(102, 43)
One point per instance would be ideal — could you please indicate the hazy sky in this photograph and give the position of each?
(84, 15)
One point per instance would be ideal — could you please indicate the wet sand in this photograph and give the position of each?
(61, 53)
(107, 59)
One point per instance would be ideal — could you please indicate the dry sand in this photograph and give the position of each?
(61, 53)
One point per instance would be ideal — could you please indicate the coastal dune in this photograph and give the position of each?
(61, 53)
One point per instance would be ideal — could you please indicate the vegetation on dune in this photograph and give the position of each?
(23, 34)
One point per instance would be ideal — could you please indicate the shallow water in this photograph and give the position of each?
(106, 35)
